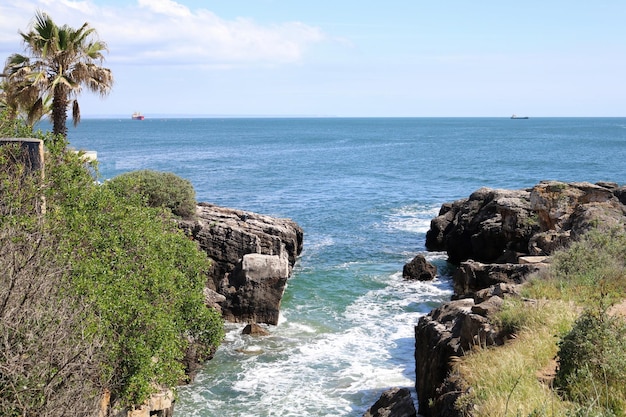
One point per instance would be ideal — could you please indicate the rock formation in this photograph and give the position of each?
(252, 257)
(445, 333)
(483, 226)
(254, 329)
(497, 238)
(160, 404)
(420, 269)
(491, 224)
(395, 402)
(472, 276)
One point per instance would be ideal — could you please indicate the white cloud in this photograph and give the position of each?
(165, 7)
(164, 32)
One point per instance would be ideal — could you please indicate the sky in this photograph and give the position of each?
(348, 58)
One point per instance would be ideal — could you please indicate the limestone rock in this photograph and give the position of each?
(501, 290)
(160, 404)
(568, 210)
(255, 288)
(213, 299)
(488, 307)
(254, 329)
(472, 276)
(395, 402)
(538, 221)
(483, 226)
(253, 256)
(555, 201)
(447, 332)
(419, 269)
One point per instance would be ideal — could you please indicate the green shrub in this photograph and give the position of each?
(158, 189)
(592, 363)
(112, 286)
(144, 276)
(49, 357)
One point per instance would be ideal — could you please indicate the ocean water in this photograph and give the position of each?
(364, 191)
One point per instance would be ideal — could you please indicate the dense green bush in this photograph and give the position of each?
(132, 279)
(158, 189)
(50, 355)
(592, 363)
(145, 277)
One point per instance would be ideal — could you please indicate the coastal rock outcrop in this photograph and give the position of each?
(160, 404)
(395, 402)
(419, 269)
(253, 256)
(492, 224)
(483, 226)
(445, 333)
(498, 238)
(472, 276)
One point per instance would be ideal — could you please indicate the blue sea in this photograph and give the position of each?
(364, 191)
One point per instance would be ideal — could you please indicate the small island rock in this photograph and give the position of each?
(419, 269)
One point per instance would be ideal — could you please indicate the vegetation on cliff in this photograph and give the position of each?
(568, 356)
(157, 189)
(97, 293)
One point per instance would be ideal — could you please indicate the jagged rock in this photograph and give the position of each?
(445, 403)
(537, 221)
(568, 210)
(555, 201)
(255, 288)
(252, 254)
(419, 269)
(395, 402)
(447, 332)
(441, 225)
(254, 329)
(490, 235)
(501, 290)
(483, 226)
(548, 242)
(213, 299)
(472, 276)
(620, 193)
(488, 307)
(160, 404)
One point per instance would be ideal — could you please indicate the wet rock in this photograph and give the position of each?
(419, 269)
(254, 329)
(395, 402)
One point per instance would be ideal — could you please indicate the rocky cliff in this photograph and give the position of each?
(253, 256)
(498, 238)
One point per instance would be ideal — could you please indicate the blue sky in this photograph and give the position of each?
(348, 58)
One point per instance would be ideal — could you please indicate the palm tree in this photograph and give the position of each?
(62, 60)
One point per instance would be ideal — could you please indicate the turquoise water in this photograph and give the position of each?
(364, 191)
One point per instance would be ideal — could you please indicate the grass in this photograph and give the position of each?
(506, 380)
(515, 379)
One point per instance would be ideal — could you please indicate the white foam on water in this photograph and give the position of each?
(412, 218)
(305, 370)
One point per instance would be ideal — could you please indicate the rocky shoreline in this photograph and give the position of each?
(498, 238)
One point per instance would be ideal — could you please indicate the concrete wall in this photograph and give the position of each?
(34, 148)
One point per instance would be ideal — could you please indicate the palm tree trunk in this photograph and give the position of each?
(59, 111)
